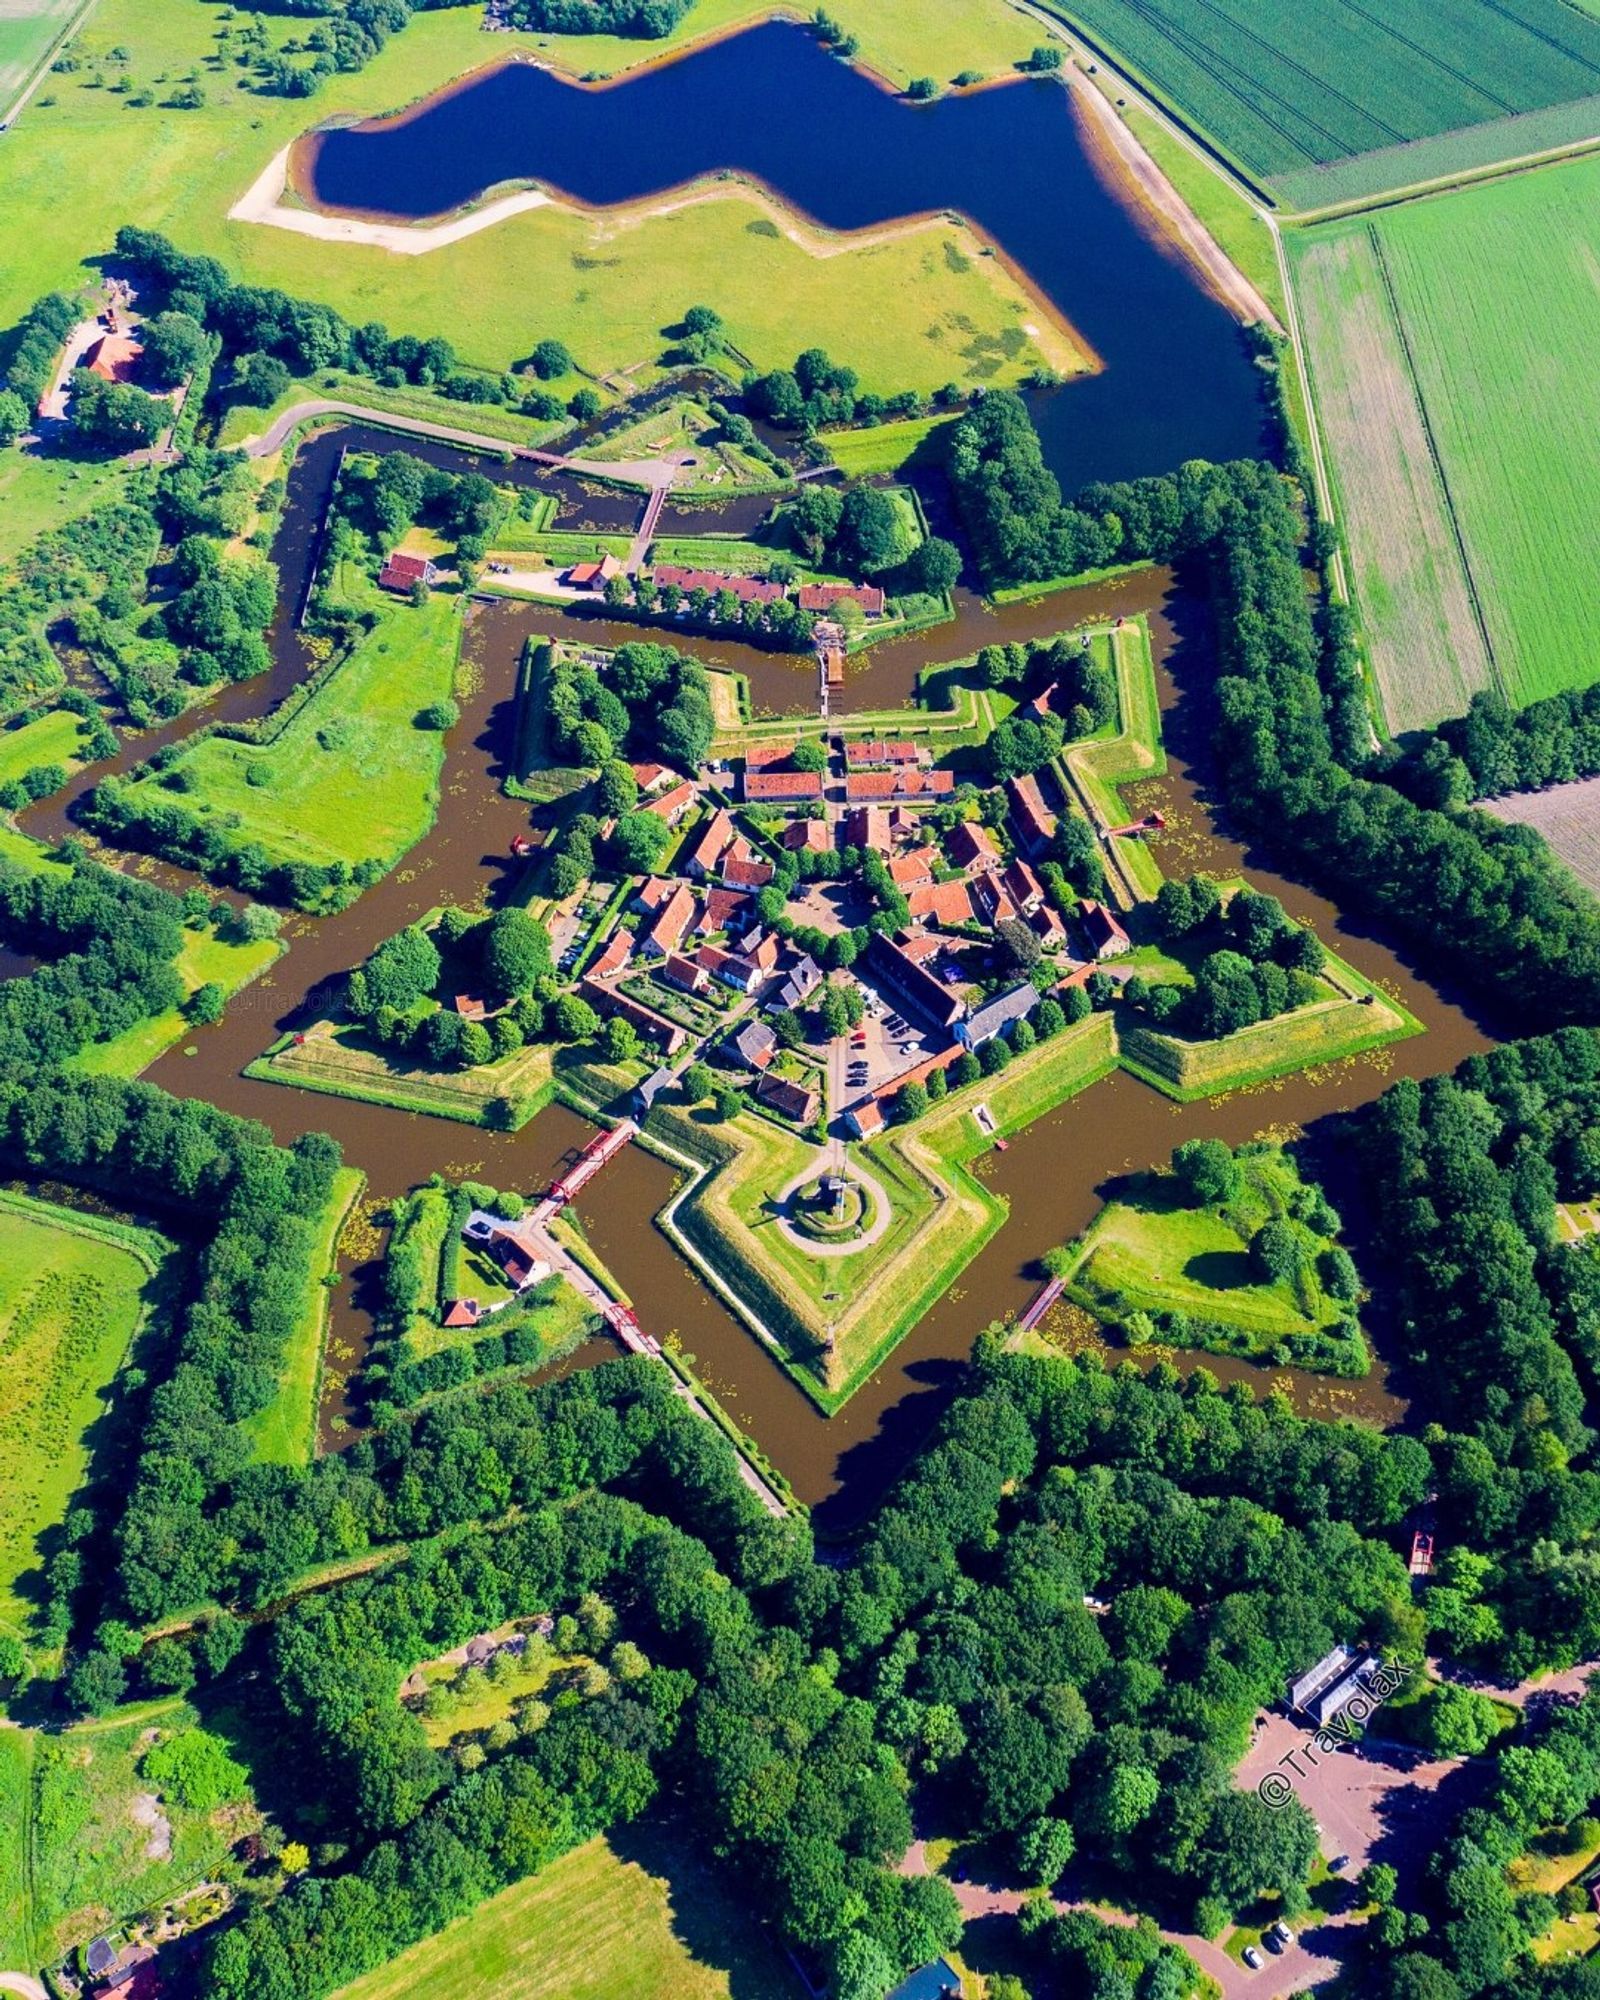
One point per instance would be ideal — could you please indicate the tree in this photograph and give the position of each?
(809, 755)
(698, 1081)
(573, 1018)
(174, 347)
(638, 840)
(1458, 1722)
(549, 360)
(475, 1045)
(206, 1003)
(1276, 1252)
(921, 88)
(616, 789)
(729, 1100)
(872, 531)
(911, 1101)
(933, 566)
(813, 518)
(1045, 58)
(516, 952)
(1207, 1173)
(97, 1683)
(1044, 1847)
(440, 715)
(259, 380)
(585, 406)
(116, 414)
(620, 1041)
(1016, 946)
(14, 419)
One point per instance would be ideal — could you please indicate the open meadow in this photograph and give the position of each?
(1344, 101)
(28, 30)
(596, 1926)
(352, 776)
(1468, 324)
(73, 1291)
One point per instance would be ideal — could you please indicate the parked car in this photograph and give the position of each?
(1253, 1958)
(1280, 1936)
(1338, 1864)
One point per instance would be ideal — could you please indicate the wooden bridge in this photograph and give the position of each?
(591, 1160)
(1043, 1300)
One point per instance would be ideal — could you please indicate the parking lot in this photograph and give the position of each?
(885, 1046)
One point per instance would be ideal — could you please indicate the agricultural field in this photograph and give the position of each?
(73, 1293)
(1491, 295)
(599, 1924)
(28, 29)
(1345, 101)
(1425, 642)
(1569, 818)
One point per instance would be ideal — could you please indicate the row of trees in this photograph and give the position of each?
(1495, 748)
(818, 390)
(649, 19)
(653, 702)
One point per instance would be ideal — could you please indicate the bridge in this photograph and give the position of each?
(1043, 1300)
(590, 1161)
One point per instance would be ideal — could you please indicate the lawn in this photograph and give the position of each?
(594, 1926)
(1095, 769)
(53, 737)
(351, 777)
(881, 447)
(204, 958)
(1493, 297)
(911, 311)
(74, 1290)
(341, 1062)
(1349, 102)
(40, 490)
(1354, 1018)
(16, 1788)
(496, 420)
(97, 1855)
(284, 1431)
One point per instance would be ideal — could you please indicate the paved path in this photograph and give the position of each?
(24, 1984)
(881, 1219)
(654, 473)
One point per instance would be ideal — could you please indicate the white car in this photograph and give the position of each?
(1253, 1958)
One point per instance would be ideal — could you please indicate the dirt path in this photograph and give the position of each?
(24, 1984)
(263, 202)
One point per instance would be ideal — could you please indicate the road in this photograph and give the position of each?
(656, 474)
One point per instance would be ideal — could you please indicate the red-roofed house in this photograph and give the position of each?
(806, 836)
(863, 755)
(762, 756)
(867, 826)
(683, 973)
(789, 1100)
(463, 1312)
(1023, 887)
(1105, 935)
(613, 955)
(726, 909)
(672, 805)
(1033, 820)
(913, 870)
(671, 921)
(115, 357)
(1048, 702)
(405, 572)
(865, 1120)
(715, 838)
(741, 974)
(741, 872)
(783, 787)
(972, 846)
(948, 903)
(748, 589)
(651, 777)
(594, 575)
(827, 597)
(900, 783)
(993, 900)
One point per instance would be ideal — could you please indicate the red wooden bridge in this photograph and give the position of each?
(1044, 1299)
(1138, 829)
(624, 1323)
(592, 1159)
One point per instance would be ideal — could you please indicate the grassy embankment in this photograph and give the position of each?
(1148, 1249)
(75, 1859)
(597, 1926)
(284, 1432)
(1480, 309)
(351, 777)
(940, 1214)
(74, 1292)
(1095, 769)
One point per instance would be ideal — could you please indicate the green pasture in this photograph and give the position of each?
(73, 1293)
(351, 777)
(53, 737)
(597, 1926)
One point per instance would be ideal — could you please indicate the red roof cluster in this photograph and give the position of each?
(896, 784)
(861, 754)
(748, 589)
(829, 596)
(783, 784)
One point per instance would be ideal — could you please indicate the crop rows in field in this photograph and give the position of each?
(1493, 296)
(1498, 288)
(1283, 87)
(1423, 637)
(1569, 818)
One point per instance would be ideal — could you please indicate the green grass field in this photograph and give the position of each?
(16, 1904)
(341, 1062)
(97, 1855)
(204, 957)
(1497, 311)
(882, 447)
(284, 1432)
(351, 777)
(51, 738)
(73, 1292)
(594, 1926)
(1349, 101)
